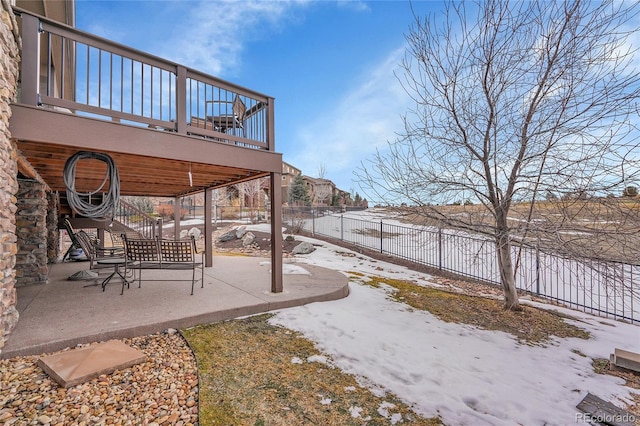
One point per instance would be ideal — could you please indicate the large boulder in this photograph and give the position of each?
(195, 233)
(303, 248)
(248, 239)
(228, 236)
(240, 232)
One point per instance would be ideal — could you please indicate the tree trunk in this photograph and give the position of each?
(506, 272)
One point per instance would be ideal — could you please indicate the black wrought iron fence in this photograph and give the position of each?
(603, 288)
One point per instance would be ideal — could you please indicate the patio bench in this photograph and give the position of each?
(163, 254)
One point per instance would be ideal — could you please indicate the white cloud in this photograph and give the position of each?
(356, 5)
(364, 119)
(216, 32)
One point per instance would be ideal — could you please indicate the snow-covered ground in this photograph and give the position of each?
(466, 375)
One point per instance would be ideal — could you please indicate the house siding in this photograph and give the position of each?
(9, 61)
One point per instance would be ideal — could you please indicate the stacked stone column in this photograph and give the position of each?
(9, 60)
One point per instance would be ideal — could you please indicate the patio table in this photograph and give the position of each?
(116, 262)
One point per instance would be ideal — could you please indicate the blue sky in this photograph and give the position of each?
(329, 64)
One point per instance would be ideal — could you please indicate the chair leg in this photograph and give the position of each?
(67, 253)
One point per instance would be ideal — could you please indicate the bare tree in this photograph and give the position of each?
(218, 196)
(322, 171)
(322, 191)
(513, 101)
(250, 191)
(322, 188)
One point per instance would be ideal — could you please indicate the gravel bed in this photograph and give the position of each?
(161, 391)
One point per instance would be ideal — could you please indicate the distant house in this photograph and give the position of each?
(323, 192)
(320, 190)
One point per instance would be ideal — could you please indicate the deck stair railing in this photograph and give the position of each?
(130, 218)
(75, 72)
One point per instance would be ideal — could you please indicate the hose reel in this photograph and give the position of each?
(109, 205)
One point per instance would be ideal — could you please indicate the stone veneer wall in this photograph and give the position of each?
(53, 246)
(9, 60)
(32, 233)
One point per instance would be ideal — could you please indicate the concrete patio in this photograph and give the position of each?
(63, 313)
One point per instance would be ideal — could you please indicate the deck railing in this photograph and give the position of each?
(134, 219)
(76, 72)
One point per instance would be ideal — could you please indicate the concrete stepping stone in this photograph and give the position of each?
(80, 365)
(625, 359)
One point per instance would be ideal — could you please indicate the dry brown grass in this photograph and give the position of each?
(530, 325)
(601, 228)
(632, 380)
(372, 232)
(247, 377)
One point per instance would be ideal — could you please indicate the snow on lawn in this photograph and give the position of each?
(466, 375)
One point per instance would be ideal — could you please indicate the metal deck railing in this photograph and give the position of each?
(79, 73)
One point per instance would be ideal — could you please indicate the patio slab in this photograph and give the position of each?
(80, 365)
(64, 313)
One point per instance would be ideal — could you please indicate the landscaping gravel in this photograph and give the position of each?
(161, 391)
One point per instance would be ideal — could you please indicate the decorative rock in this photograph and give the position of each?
(194, 232)
(248, 239)
(164, 388)
(240, 232)
(303, 248)
(289, 238)
(44, 419)
(231, 235)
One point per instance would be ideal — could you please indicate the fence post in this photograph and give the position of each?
(381, 250)
(537, 269)
(341, 227)
(313, 222)
(440, 249)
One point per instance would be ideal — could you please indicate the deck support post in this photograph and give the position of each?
(275, 191)
(208, 228)
(177, 208)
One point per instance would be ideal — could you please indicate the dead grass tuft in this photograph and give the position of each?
(631, 378)
(254, 373)
(530, 325)
(372, 232)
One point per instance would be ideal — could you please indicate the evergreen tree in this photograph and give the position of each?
(298, 195)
